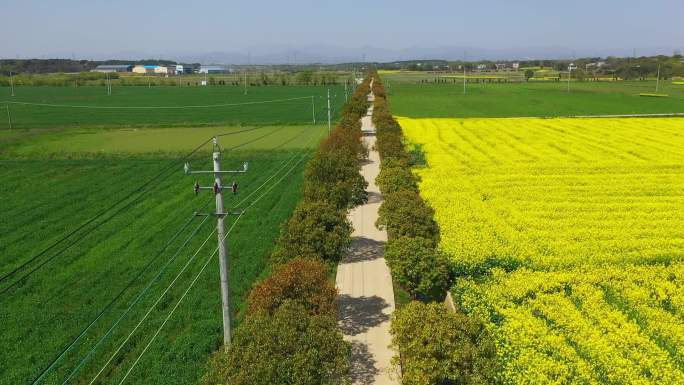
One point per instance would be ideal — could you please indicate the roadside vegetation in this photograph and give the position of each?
(433, 346)
(290, 333)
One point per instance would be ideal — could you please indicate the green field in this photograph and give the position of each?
(55, 181)
(90, 106)
(417, 100)
(128, 141)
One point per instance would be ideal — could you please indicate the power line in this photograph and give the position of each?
(140, 295)
(192, 258)
(156, 107)
(101, 213)
(200, 272)
(122, 291)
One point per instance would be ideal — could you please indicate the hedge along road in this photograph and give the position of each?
(366, 296)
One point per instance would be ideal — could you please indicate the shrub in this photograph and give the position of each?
(316, 229)
(419, 268)
(405, 214)
(395, 179)
(302, 280)
(289, 347)
(438, 347)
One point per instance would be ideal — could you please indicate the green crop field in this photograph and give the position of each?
(429, 100)
(126, 141)
(165, 106)
(56, 181)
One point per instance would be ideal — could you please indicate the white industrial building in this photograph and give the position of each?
(113, 68)
(214, 69)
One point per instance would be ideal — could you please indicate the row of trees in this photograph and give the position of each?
(50, 66)
(236, 79)
(289, 334)
(435, 346)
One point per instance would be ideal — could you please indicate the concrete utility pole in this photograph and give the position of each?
(108, 83)
(658, 79)
(313, 109)
(9, 117)
(571, 66)
(222, 244)
(245, 80)
(464, 72)
(11, 83)
(329, 113)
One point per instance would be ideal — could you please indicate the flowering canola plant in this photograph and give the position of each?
(570, 233)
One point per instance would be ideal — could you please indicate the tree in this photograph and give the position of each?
(302, 280)
(333, 177)
(422, 270)
(289, 347)
(304, 77)
(529, 74)
(394, 179)
(438, 347)
(316, 229)
(404, 213)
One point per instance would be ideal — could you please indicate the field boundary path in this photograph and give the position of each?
(366, 295)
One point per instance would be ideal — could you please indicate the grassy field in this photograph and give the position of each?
(88, 107)
(531, 99)
(48, 193)
(567, 237)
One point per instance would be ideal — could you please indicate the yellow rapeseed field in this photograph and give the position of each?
(608, 325)
(569, 238)
(554, 193)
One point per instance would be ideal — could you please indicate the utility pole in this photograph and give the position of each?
(571, 66)
(313, 110)
(345, 89)
(245, 80)
(11, 83)
(658, 79)
(329, 113)
(220, 230)
(464, 72)
(9, 117)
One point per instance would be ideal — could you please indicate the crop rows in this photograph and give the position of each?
(554, 193)
(618, 325)
(44, 313)
(567, 235)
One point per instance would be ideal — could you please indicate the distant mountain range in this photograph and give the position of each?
(333, 55)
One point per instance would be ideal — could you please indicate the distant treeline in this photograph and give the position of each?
(628, 68)
(253, 79)
(45, 66)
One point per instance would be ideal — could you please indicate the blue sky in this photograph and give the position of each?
(168, 27)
